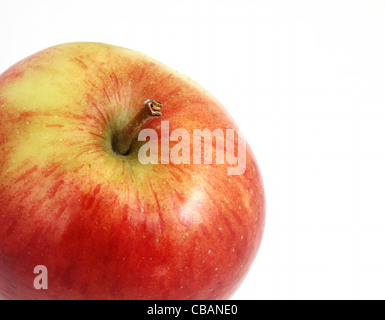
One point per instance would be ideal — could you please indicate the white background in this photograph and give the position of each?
(305, 81)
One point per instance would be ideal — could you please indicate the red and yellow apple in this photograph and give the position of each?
(105, 225)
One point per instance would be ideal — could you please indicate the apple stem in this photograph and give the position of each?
(123, 139)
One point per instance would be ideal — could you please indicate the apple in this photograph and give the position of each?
(76, 199)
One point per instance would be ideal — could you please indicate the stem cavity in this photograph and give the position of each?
(122, 141)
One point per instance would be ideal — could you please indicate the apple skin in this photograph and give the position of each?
(105, 225)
